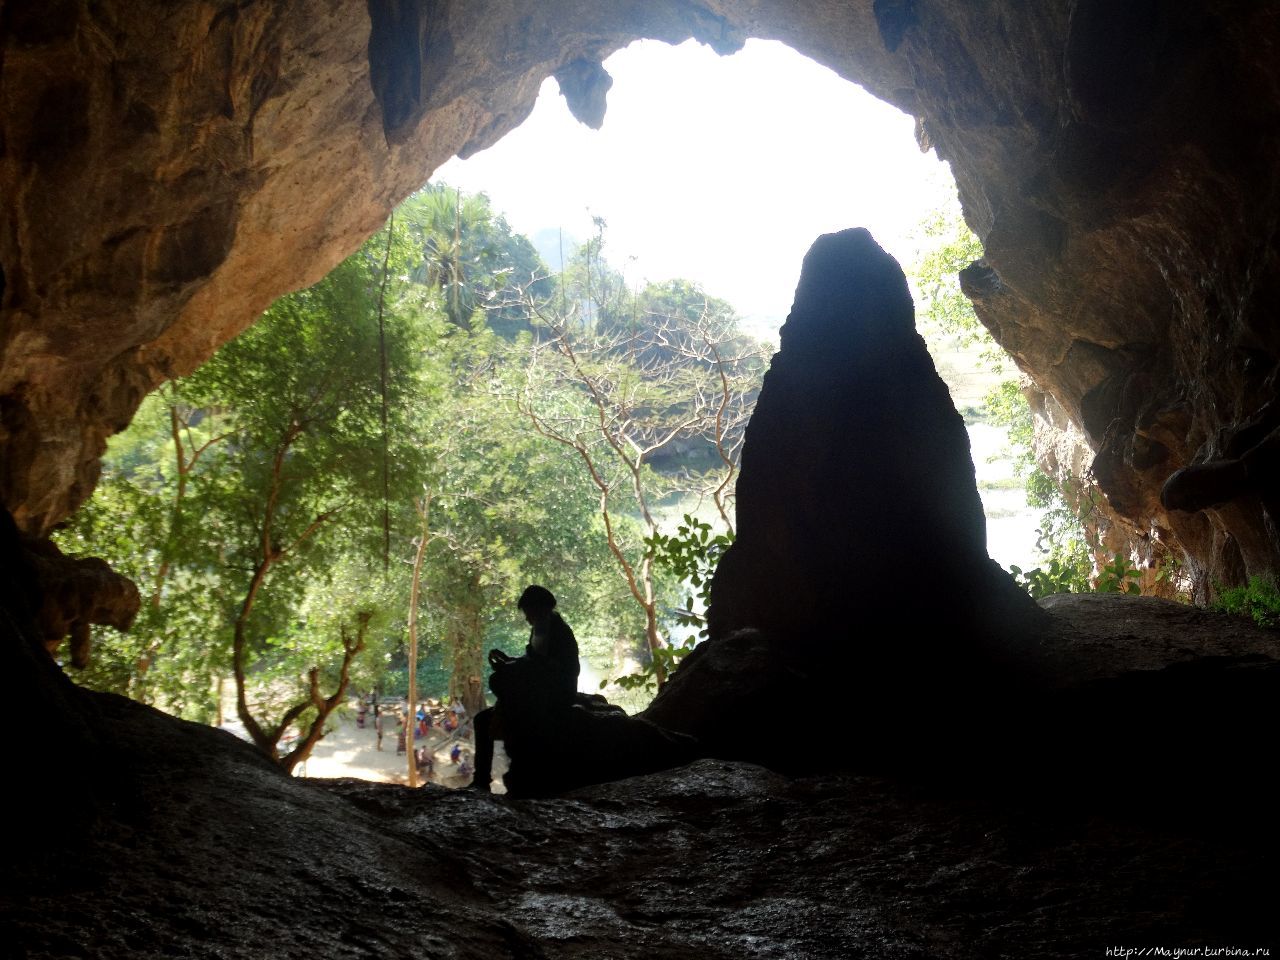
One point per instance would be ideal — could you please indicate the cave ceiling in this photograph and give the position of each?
(169, 170)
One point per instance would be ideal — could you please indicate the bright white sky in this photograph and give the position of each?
(722, 170)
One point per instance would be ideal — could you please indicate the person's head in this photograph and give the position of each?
(536, 602)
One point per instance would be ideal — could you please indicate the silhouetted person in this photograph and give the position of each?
(532, 689)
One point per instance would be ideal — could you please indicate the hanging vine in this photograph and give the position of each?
(382, 356)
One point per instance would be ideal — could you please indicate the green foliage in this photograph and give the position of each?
(506, 511)
(948, 247)
(1074, 575)
(1119, 576)
(270, 457)
(166, 658)
(690, 556)
(1059, 577)
(1259, 600)
(626, 381)
(433, 675)
(470, 255)
(1006, 406)
(666, 658)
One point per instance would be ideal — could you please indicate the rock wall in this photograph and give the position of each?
(167, 170)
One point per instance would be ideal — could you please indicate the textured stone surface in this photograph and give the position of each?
(857, 486)
(167, 172)
(856, 495)
(1124, 797)
(198, 847)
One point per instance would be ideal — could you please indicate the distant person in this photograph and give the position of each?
(531, 688)
(377, 723)
(425, 762)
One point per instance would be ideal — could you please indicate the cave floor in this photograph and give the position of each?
(228, 858)
(191, 844)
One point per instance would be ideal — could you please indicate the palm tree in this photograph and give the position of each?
(464, 249)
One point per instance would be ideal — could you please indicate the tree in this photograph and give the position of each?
(275, 460)
(667, 368)
(135, 518)
(256, 498)
(472, 257)
(505, 512)
(307, 389)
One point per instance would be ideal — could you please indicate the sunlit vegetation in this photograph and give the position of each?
(1259, 600)
(441, 390)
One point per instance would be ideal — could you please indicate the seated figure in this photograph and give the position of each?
(534, 691)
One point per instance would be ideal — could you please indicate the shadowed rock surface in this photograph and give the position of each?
(168, 170)
(857, 487)
(202, 849)
(1120, 795)
(550, 752)
(856, 496)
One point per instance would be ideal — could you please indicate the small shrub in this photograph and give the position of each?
(1259, 600)
(1060, 576)
(1119, 576)
(690, 556)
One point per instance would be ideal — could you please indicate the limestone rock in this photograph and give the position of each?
(593, 742)
(203, 848)
(856, 496)
(857, 487)
(75, 593)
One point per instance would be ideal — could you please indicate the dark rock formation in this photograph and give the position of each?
(552, 752)
(845, 513)
(202, 848)
(856, 496)
(75, 593)
(857, 489)
(167, 170)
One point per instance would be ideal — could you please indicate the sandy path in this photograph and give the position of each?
(349, 751)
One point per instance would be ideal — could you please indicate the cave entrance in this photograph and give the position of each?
(723, 170)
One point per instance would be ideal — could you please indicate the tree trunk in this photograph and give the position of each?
(466, 682)
(424, 508)
(351, 647)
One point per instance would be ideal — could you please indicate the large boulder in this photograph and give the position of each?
(206, 849)
(859, 583)
(857, 488)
